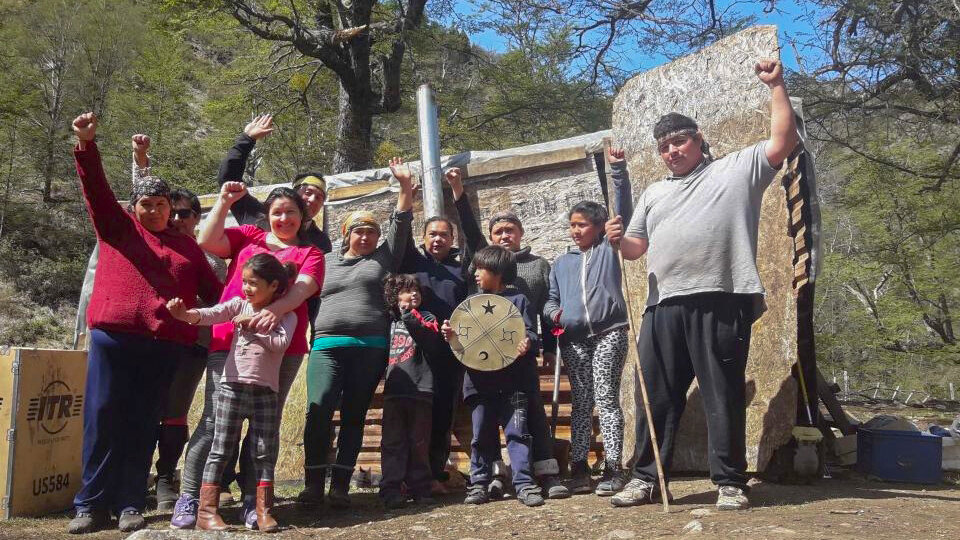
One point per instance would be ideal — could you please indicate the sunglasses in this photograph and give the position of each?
(183, 213)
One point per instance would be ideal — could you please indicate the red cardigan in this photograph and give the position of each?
(139, 270)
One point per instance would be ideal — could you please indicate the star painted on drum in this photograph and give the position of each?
(488, 307)
(507, 335)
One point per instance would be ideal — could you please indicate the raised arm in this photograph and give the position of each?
(783, 124)
(622, 202)
(212, 237)
(111, 222)
(248, 210)
(472, 233)
(141, 160)
(398, 232)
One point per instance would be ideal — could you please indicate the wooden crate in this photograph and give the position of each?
(41, 412)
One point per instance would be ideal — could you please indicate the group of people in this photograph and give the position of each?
(379, 307)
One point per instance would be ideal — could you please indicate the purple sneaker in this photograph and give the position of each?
(248, 514)
(185, 513)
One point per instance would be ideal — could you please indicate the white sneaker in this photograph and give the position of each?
(732, 498)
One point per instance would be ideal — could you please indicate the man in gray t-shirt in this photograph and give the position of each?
(698, 228)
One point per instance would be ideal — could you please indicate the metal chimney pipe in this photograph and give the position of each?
(429, 152)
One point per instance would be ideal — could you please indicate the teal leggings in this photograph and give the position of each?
(344, 376)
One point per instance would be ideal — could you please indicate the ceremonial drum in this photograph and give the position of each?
(487, 330)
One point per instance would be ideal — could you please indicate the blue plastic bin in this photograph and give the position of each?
(900, 456)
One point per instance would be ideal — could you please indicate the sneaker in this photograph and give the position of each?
(184, 513)
(167, 492)
(580, 478)
(495, 489)
(635, 493)
(131, 520)
(477, 494)
(553, 487)
(87, 522)
(612, 481)
(248, 514)
(732, 498)
(530, 495)
(394, 501)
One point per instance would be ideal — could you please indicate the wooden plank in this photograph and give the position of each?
(526, 161)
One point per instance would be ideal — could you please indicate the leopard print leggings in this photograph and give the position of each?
(595, 366)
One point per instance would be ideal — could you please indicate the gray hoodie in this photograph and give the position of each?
(587, 286)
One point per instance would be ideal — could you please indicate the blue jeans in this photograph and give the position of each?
(127, 375)
(489, 412)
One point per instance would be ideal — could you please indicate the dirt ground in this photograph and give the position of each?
(831, 508)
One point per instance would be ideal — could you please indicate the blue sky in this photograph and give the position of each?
(794, 27)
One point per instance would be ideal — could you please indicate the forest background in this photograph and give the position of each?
(879, 79)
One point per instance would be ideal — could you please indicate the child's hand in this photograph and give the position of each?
(242, 321)
(177, 308)
(556, 317)
(523, 348)
(447, 330)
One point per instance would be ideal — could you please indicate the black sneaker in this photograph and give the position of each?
(394, 501)
(477, 494)
(131, 520)
(495, 489)
(87, 522)
(579, 478)
(612, 481)
(530, 495)
(553, 488)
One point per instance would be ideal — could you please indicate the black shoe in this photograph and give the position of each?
(313, 481)
(553, 488)
(530, 495)
(579, 478)
(339, 494)
(131, 520)
(89, 521)
(495, 489)
(612, 481)
(477, 494)
(424, 500)
(394, 501)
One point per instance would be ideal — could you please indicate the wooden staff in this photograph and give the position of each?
(643, 385)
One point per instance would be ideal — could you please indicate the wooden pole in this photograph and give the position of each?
(953, 395)
(640, 379)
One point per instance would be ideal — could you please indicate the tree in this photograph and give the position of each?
(361, 41)
(893, 67)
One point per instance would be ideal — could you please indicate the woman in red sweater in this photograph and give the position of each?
(134, 341)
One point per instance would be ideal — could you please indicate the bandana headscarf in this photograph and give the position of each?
(359, 218)
(149, 186)
(311, 181)
(504, 216)
(673, 124)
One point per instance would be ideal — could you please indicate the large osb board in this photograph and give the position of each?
(717, 87)
(540, 198)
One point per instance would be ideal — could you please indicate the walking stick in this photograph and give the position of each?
(555, 406)
(643, 385)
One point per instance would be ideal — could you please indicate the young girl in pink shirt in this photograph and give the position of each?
(249, 385)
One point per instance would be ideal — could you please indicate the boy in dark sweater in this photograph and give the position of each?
(415, 346)
(499, 398)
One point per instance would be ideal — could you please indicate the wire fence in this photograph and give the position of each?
(853, 390)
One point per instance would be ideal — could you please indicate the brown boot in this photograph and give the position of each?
(208, 517)
(265, 522)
